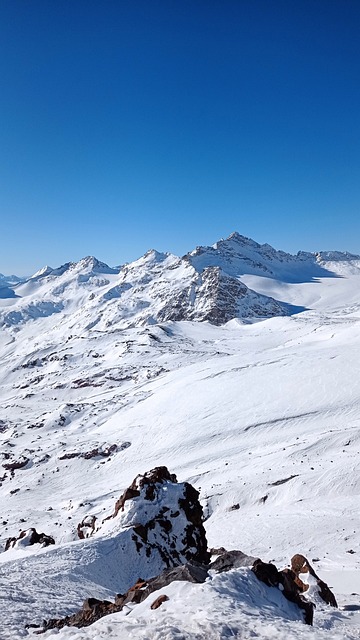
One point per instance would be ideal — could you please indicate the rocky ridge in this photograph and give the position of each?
(171, 525)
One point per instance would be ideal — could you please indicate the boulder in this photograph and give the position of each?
(159, 601)
(166, 518)
(86, 527)
(285, 581)
(303, 571)
(29, 537)
(227, 560)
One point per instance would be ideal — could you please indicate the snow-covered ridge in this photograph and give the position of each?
(90, 264)
(209, 283)
(239, 255)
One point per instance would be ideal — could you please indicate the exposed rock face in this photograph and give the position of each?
(166, 517)
(303, 571)
(217, 297)
(231, 560)
(222, 297)
(159, 474)
(86, 527)
(28, 538)
(94, 609)
(16, 464)
(268, 573)
(295, 582)
(103, 452)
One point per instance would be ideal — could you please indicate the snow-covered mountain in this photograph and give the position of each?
(206, 284)
(235, 366)
(6, 285)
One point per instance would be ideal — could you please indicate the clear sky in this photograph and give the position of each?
(134, 124)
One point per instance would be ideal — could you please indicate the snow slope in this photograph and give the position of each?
(260, 415)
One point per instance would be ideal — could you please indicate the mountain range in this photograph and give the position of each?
(205, 284)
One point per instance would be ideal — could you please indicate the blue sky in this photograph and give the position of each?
(134, 124)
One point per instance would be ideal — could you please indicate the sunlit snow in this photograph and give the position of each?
(253, 408)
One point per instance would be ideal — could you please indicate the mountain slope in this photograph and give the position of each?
(261, 417)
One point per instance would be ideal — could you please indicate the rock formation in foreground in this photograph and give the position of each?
(163, 519)
(285, 580)
(29, 537)
(166, 518)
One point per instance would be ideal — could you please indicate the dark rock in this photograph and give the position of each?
(231, 560)
(17, 464)
(301, 566)
(216, 551)
(195, 536)
(159, 601)
(157, 534)
(94, 609)
(268, 573)
(93, 453)
(86, 527)
(195, 573)
(33, 538)
(279, 482)
(292, 591)
(148, 480)
(159, 474)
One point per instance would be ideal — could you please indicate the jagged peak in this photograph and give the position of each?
(238, 244)
(235, 236)
(90, 263)
(42, 273)
(157, 256)
(151, 258)
(12, 278)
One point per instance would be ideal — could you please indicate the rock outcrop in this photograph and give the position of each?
(94, 609)
(300, 584)
(166, 517)
(285, 581)
(305, 575)
(29, 537)
(161, 530)
(86, 527)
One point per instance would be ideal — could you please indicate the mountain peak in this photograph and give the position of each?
(90, 263)
(41, 273)
(237, 237)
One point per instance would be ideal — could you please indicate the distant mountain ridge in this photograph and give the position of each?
(203, 285)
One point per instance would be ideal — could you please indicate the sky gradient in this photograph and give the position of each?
(134, 124)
